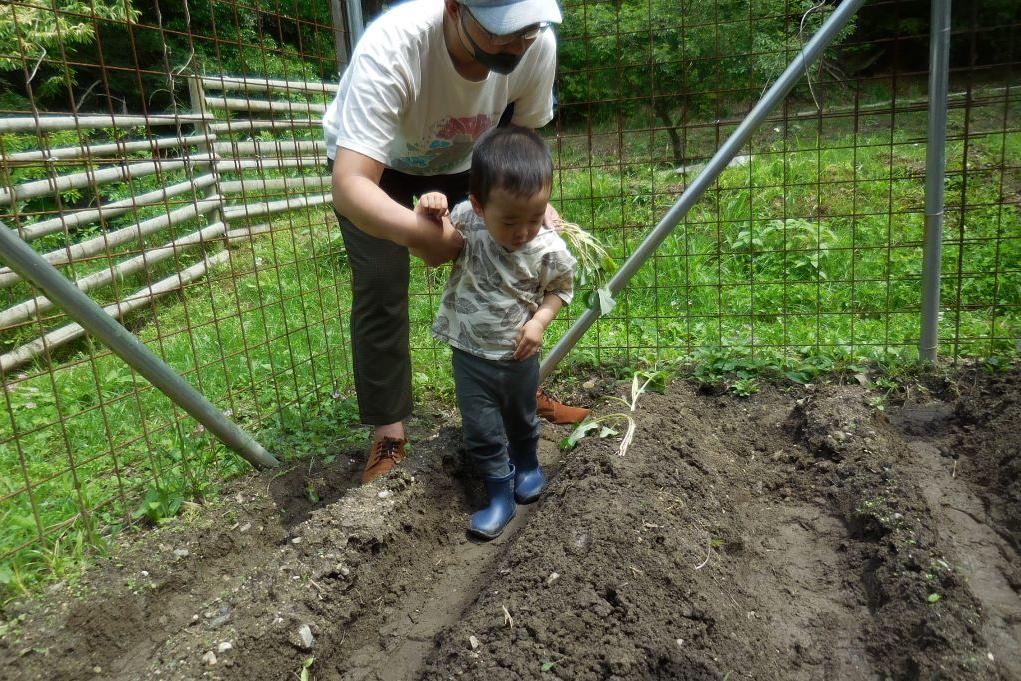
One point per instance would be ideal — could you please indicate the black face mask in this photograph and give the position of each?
(500, 62)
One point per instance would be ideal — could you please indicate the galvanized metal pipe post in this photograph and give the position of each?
(20, 257)
(355, 22)
(811, 52)
(935, 174)
(339, 31)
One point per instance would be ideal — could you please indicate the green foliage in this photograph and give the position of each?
(32, 31)
(145, 48)
(744, 387)
(676, 61)
(793, 249)
(159, 504)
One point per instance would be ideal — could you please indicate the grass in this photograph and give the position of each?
(811, 248)
(803, 260)
(100, 449)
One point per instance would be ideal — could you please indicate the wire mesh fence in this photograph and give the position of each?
(812, 239)
(168, 157)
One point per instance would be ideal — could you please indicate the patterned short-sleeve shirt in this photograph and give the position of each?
(492, 291)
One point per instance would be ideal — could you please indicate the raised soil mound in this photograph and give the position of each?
(802, 533)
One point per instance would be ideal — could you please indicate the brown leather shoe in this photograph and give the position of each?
(385, 454)
(557, 412)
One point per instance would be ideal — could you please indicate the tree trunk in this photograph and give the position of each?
(662, 109)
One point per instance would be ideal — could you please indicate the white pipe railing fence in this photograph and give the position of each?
(202, 199)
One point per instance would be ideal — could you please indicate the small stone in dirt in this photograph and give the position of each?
(209, 658)
(305, 636)
(220, 618)
(97, 669)
(990, 656)
(182, 553)
(144, 573)
(245, 527)
(384, 494)
(554, 576)
(680, 642)
(224, 647)
(296, 540)
(582, 541)
(474, 642)
(589, 384)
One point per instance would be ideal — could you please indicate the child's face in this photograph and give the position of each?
(512, 220)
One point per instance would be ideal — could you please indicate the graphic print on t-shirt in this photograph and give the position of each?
(451, 143)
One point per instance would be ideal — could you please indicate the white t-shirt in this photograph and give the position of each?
(492, 291)
(402, 103)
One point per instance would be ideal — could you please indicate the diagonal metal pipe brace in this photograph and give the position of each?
(20, 257)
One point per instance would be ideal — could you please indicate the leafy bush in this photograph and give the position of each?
(676, 61)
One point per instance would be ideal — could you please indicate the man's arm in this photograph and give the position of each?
(357, 196)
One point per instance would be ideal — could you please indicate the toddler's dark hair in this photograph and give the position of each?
(513, 159)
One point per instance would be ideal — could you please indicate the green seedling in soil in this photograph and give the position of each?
(304, 674)
(159, 505)
(887, 384)
(878, 402)
(310, 491)
(934, 598)
(744, 387)
(997, 364)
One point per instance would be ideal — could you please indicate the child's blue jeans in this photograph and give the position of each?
(497, 402)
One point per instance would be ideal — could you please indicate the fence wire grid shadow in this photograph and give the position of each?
(168, 157)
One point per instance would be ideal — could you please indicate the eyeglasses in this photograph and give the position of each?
(527, 33)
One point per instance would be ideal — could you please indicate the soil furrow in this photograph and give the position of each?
(797, 534)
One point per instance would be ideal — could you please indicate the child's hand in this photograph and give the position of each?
(529, 339)
(433, 205)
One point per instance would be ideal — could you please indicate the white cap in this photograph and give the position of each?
(503, 17)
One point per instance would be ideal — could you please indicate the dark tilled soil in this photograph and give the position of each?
(802, 533)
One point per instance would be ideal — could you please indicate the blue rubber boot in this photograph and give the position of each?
(529, 480)
(490, 521)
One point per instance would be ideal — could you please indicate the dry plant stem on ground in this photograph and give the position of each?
(600, 423)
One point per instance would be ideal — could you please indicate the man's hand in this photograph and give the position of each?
(529, 339)
(552, 218)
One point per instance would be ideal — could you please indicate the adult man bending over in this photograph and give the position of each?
(426, 80)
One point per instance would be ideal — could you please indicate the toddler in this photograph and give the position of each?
(508, 283)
